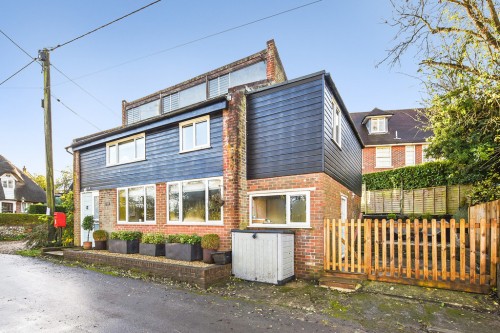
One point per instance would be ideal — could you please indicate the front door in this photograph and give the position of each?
(90, 206)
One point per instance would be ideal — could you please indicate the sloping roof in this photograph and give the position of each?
(26, 188)
(376, 113)
(407, 123)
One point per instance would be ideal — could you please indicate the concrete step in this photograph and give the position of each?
(342, 281)
(57, 254)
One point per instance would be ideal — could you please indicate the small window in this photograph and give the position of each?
(194, 134)
(126, 150)
(8, 183)
(280, 209)
(409, 155)
(383, 157)
(7, 207)
(137, 204)
(337, 124)
(195, 202)
(378, 125)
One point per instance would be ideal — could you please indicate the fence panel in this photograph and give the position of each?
(444, 254)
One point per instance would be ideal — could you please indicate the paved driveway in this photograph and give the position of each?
(36, 295)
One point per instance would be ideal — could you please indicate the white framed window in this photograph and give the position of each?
(136, 205)
(195, 202)
(378, 125)
(9, 183)
(194, 134)
(280, 209)
(8, 207)
(426, 158)
(409, 155)
(126, 150)
(337, 125)
(383, 157)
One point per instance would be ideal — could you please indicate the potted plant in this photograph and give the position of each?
(183, 247)
(100, 239)
(209, 243)
(125, 242)
(88, 225)
(152, 244)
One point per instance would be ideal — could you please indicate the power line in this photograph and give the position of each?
(103, 26)
(83, 89)
(195, 40)
(19, 71)
(76, 113)
(19, 47)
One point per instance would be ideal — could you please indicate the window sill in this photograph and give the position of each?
(384, 167)
(337, 144)
(194, 149)
(210, 224)
(280, 226)
(135, 223)
(112, 165)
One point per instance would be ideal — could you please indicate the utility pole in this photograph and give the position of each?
(44, 57)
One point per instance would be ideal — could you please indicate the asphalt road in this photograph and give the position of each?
(36, 295)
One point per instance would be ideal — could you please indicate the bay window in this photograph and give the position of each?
(137, 204)
(195, 201)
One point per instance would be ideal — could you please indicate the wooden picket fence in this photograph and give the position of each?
(443, 254)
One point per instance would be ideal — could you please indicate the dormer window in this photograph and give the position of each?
(378, 125)
(7, 181)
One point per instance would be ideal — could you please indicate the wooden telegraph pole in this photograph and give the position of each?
(44, 57)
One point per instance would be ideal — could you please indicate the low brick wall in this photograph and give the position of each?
(203, 277)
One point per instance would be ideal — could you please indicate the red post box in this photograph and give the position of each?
(59, 220)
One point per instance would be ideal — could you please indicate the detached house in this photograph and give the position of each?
(239, 146)
(17, 191)
(392, 138)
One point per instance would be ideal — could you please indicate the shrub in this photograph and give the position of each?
(210, 241)
(38, 237)
(20, 219)
(427, 216)
(42, 209)
(67, 237)
(100, 235)
(392, 216)
(438, 173)
(184, 239)
(154, 238)
(126, 235)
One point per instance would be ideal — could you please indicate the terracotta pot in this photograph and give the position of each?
(87, 245)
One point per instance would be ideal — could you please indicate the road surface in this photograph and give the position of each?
(40, 296)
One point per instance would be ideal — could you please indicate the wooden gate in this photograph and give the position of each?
(444, 254)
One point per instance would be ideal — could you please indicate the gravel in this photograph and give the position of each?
(10, 247)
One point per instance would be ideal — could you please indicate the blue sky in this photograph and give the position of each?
(345, 38)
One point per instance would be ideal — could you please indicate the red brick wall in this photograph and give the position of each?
(325, 203)
(398, 158)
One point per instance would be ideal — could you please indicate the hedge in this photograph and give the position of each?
(438, 173)
(20, 219)
(42, 209)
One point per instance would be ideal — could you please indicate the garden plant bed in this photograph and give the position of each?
(196, 272)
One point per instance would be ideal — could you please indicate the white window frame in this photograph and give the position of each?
(145, 222)
(117, 143)
(377, 165)
(288, 193)
(14, 206)
(337, 119)
(407, 151)
(194, 122)
(181, 212)
(378, 120)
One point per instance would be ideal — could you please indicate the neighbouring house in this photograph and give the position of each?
(237, 147)
(18, 191)
(392, 138)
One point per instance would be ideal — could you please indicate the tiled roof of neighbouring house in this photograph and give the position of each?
(408, 124)
(25, 186)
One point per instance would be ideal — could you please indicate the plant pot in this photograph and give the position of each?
(207, 256)
(185, 252)
(222, 257)
(87, 245)
(155, 250)
(100, 245)
(123, 246)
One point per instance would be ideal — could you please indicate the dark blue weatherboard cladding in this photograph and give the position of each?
(284, 127)
(343, 164)
(163, 161)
